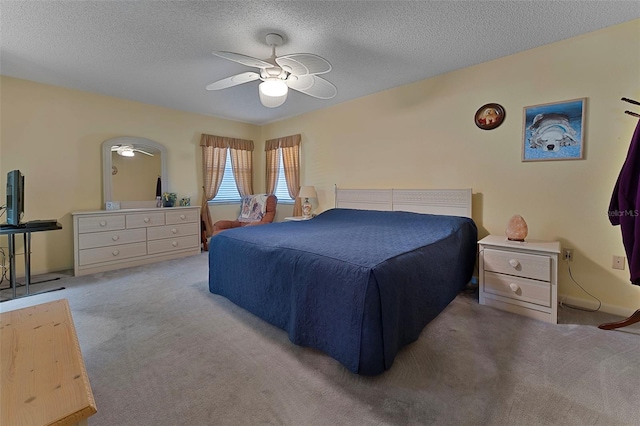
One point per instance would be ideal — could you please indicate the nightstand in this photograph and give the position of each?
(520, 277)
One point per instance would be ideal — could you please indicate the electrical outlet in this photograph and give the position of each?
(618, 262)
(567, 254)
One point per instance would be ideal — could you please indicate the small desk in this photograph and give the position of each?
(10, 232)
(42, 372)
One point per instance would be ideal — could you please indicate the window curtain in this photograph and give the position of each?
(290, 146)
(214, 157)
(273, 164)
(242, 164)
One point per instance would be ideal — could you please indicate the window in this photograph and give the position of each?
(228, 191)
(281, 190)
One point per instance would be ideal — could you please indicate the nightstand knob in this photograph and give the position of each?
(146, 220)
(514, 287)
(514, 263)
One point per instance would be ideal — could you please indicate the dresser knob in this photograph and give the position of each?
(514, 287)
(514, 263)
(175, 244)
(183, 217)
(103, 223)
(174, 230)
(115, 252)
(146, 220)
(115, 237)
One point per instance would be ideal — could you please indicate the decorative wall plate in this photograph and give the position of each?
(489, 116)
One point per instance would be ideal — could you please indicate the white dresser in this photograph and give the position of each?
(114, 239)
(520, 277)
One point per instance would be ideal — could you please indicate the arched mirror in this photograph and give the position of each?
(131, 167)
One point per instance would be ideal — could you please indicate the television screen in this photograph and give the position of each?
(15, 197)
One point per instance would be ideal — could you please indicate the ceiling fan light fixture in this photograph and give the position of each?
(273, 92)
(126, 152)
(297, 71)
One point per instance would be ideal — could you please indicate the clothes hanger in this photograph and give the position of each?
(635, 317)
(631, 101)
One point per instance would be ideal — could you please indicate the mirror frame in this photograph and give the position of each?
(138, 143)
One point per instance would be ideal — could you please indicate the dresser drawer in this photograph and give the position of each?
(105, 254)
(169, 231)
(519, 264)
(142, 220)
(182, 216)
(173, 244)
(100, 223)
(517, 288)
(111, 238)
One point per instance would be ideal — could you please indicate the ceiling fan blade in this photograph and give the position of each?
(304, 63)
(244, 59)
(313, 85)
(245, 77)
(143, 152)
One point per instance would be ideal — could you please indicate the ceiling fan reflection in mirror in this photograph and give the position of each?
(128, 150)
(298, 71)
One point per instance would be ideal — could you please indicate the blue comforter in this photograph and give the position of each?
(355, 284)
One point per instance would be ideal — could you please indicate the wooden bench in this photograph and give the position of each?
(43, 380)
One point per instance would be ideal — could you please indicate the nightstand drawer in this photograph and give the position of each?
(517, 288)
(518, 264)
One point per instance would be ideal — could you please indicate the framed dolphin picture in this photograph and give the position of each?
(554, 131)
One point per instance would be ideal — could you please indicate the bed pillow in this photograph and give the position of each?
(253, 208)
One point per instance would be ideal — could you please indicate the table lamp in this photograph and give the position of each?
(307, 192)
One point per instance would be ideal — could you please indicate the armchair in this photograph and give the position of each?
(249, 216)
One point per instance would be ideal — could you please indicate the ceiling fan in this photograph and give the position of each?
(128, 150)
(298, 71)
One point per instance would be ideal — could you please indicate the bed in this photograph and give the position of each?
(357, 282)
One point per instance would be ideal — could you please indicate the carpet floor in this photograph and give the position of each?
(160, 349)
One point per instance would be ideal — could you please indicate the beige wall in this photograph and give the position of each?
(423, 135)
(420, 135)
(53, 135)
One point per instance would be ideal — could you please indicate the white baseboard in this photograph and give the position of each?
(592, 304)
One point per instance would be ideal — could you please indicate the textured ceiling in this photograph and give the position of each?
(159, 52)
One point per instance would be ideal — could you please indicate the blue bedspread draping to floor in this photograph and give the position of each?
(355, 284)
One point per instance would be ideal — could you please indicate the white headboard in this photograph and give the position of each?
(450, 202)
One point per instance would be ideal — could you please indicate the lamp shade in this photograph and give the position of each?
(307, 192)
(273, 92)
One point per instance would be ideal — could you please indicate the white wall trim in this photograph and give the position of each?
(592, 304)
